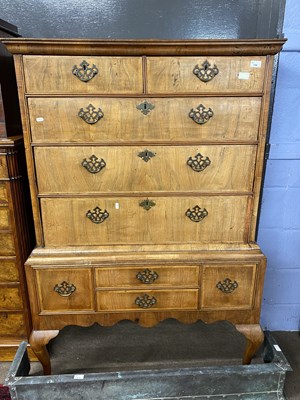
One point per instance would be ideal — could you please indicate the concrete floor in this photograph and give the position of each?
(167, 345)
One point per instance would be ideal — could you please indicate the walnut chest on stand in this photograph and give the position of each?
(145, 160)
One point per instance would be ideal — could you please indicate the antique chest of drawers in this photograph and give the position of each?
(145, 161)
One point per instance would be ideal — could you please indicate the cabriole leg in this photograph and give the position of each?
(38, 341)
(255, 336)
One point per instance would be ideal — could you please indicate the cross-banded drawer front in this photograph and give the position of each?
(7, 244)
(4, 218)
(3, 193)
(149, 276)
(205, 74)
(64, 289)
(126, 169)
(97, 221)
(134, 300)
(8, 270)
(115, 120)
(228, 286)
(55, 74)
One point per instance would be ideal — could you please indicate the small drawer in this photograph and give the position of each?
(134, 300)
(4, 218)
(10, 298)
(228, 287)
(7, 246)
(205, 74)
(134, 220)
(11, 324)
(3, 167)
(65, 289)
(86, 75)
(120, 120)
(8, 270)
(145, 276)
(3, 193)
(107, 169)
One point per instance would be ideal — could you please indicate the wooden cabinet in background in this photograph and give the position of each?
(16, 226)
(145, 161)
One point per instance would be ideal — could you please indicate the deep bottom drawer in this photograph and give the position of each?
(149, 300)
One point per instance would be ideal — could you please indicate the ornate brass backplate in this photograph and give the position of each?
(85, 73)
(93, 164)
(146, 155)
(196, 214)
(147, 204)
(97, 216)
(147, 276)
(227, 286)
(201, 115)
(145, 107)
(198, 163)
(64, 289)
(145, 301)
(91, 115)
(206, 73)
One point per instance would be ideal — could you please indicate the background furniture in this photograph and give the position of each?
(16, 230)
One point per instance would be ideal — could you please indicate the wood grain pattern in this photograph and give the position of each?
(66, 224)
(8, 270)
(10, 298)
(125, 171)
(12, 324)
(4, 218)
(7, 244)
(127, 276)
(165, 299)
(49, 300)
(234, 119)
(53, 75)
(240, 298)
(175, 75)
(3, 193)
(3, 167)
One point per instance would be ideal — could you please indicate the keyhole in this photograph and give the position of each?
(145, 106)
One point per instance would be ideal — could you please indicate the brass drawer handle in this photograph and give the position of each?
(198, 163)
(91, 116)
(64, 289)
(85, 73)
(147, 276)
(93, 164)
(206, 73)
(201, 115)
(227, 286)
(97, 216)
(145, 301)
(145, 107)
(196, 214)
(147, 204)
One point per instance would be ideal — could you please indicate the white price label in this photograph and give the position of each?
(255, 64)
(78, 376)
(117, 206)
(244, 75)
(39, 119)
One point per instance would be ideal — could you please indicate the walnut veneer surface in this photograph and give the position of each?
(145, 180)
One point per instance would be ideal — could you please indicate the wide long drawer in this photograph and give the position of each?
(154, 220)
(118, 120)
(205, 74)
(121, 300)
(165, 168)
(56, 74)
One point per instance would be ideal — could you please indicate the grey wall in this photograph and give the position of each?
(144, 18)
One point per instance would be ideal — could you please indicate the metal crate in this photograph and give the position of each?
(245, 382)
